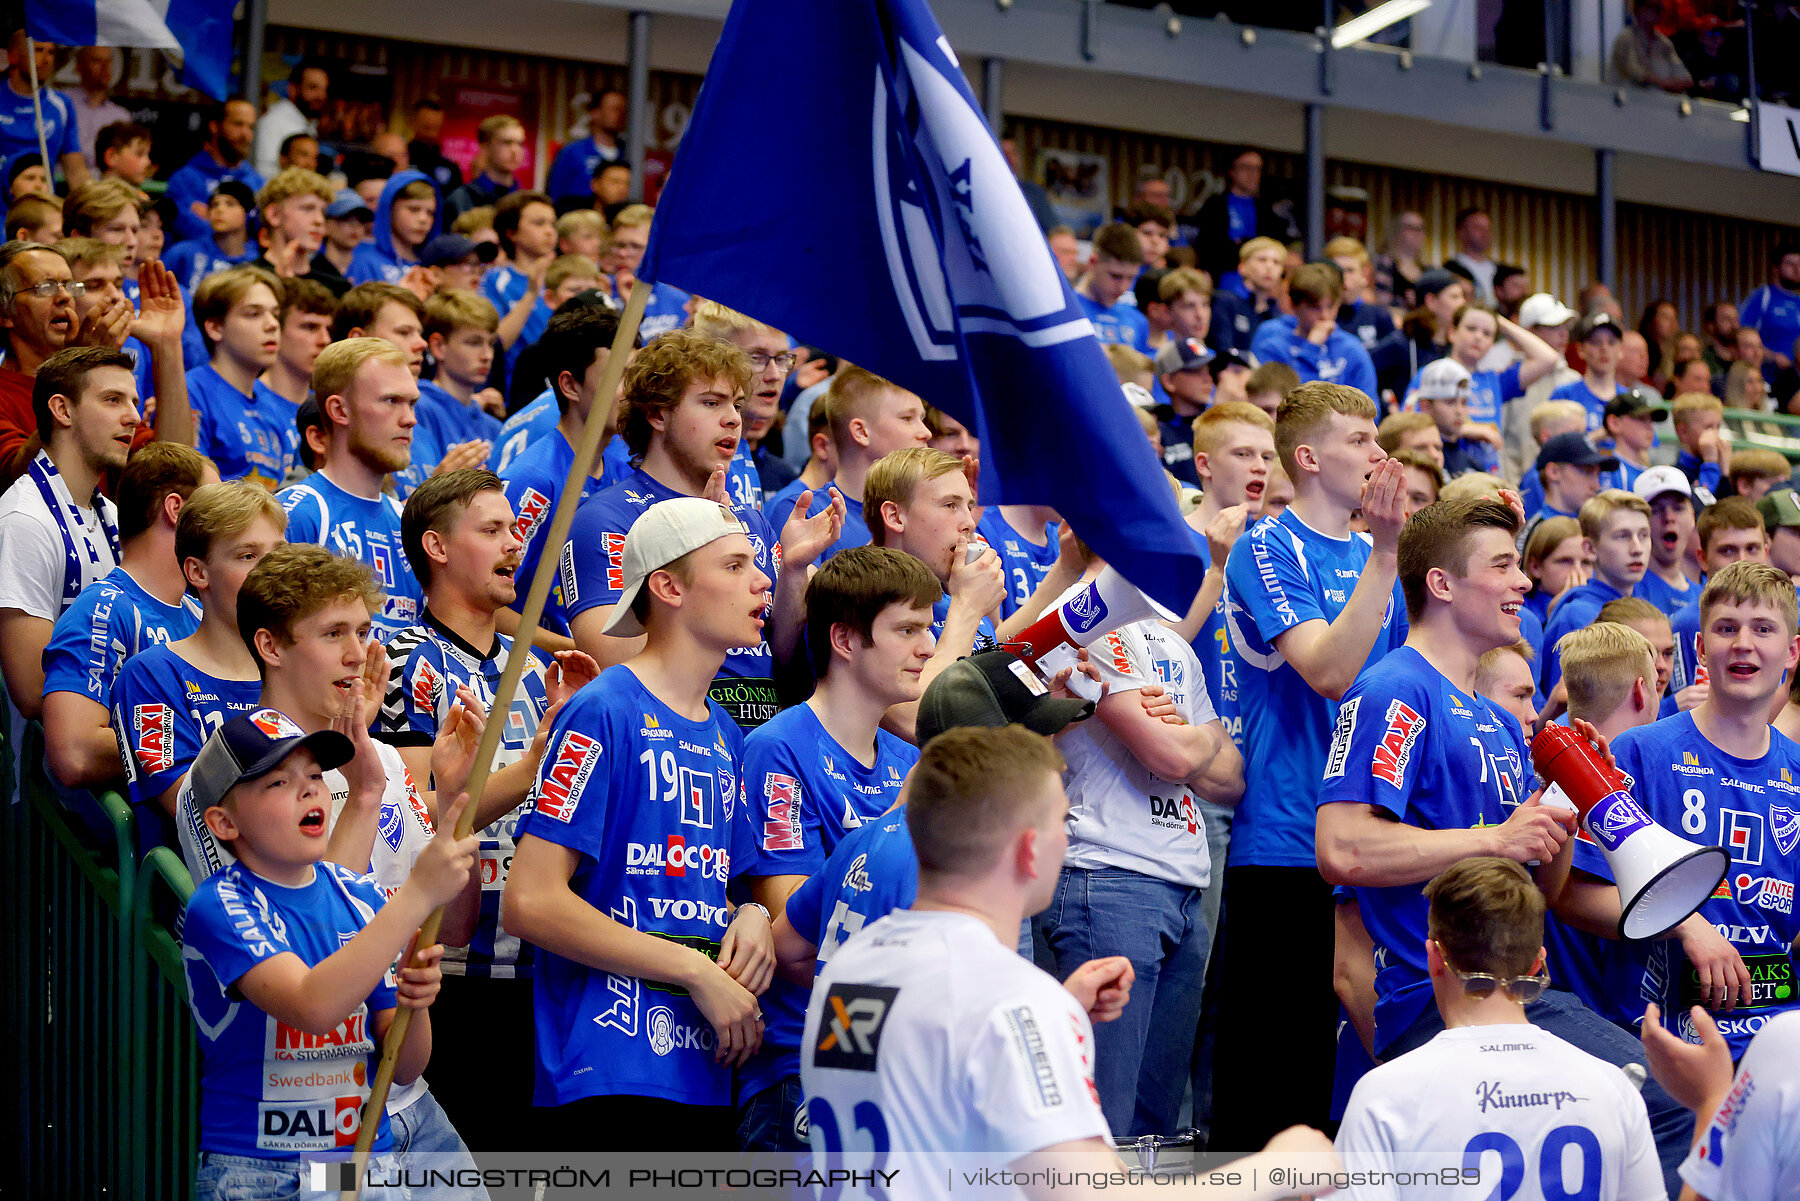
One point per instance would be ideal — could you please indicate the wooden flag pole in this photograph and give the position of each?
(564, 516)
(37, 107)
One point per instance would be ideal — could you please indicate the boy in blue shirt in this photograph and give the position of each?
(1731, 531)
(171, 696)
(1705, 454)
(459, 332)
(820, 770)
(1118, 257)
(406, 217)
(241, 424)
(366, 395)
(1443, 392)
(140, 603)
(1599, 336)
(1616, 526)
(648, 974)
(462, 542)
(1424, 772)
(682, 422)
(225, 244)
(574, 351)
(1667, 584)
(1310, 604)
(290, 960)
(1309, 340)
(525, 223)
(1720, 775)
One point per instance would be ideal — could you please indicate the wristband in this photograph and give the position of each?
(760, 908)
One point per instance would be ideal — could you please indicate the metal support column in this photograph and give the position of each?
(1607, 203)
(256, 24)
(637, 134)
(1315, 180)
(993, 89)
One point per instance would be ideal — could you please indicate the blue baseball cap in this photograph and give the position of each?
(253, 744)
(349, 202)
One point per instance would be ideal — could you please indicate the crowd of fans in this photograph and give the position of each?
(284, 443)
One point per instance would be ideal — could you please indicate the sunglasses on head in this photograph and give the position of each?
(1481, 985)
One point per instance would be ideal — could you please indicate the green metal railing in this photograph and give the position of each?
(1778, 432)
(106, 1081)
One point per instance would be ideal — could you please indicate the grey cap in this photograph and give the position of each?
(994, 688)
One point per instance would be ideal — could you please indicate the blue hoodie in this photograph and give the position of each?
(1342, 360)
(377, 261)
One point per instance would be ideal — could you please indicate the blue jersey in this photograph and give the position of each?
(18, 125)
(192, 261)
(593, 574)
(1751, 807)
(1281, 573)
(873, 872)
(1218, 659)
(504, 287)
(1705, 477)
(985, 637)
(522, 429)
(1574, 610)
(780, 507)
(109, 622)
(653, 803)
(1623, 477)
(163, 710)
(1587, 398)
(1773, 312)
(666, 310)
(804, 793)
(1689, 667)
(428, 664)
(1341, 360)
(533, 482)
(266, 1089)
(450, 421)
(251, 437)
(194, 183)
(362, 528)
(1024, 562)
(1660, 593)
(1121, 323)
(741, 479)
(572, 170)
(1430, 755)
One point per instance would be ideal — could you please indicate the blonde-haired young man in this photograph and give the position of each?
(366, 394)
(755, 471)
(1616, 525)
(1705, 442)
(244, 426)
(454, 408)
(1310, 604)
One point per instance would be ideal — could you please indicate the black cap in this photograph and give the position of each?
(1637, 402)
(1231, 358)
(1595, 323)
(993, 688)
(18, 164)
(1575, 448)
(238, 191)
(1431, 282)
(452, 248)
(590, 298)
(253, 744)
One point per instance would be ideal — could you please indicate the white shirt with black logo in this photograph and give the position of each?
(928, 1039)
(1514, 1100)
(1121, 815)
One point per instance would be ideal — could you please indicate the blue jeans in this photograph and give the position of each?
(424, 1140)
(1141, 1061)
(1563, 1014)
(248, 1178)
(774, 1119)
(1218, 846)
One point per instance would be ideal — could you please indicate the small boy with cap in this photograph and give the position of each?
(646, 993)
(289, 959)
(1598, 334)
(1184, 377)
(227, 242)
(1781, 518)
(1630, 421)
(349, 222)
(456, 261)
(1671, 583)
(1569, 467)
(1443, 393)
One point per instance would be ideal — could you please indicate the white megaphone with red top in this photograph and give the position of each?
(1662, 877)
(1096, 609)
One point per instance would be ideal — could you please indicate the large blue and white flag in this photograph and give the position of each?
(197, 32)
(902, 243)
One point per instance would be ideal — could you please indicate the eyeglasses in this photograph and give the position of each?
(785, 361)
(45, 289)
(1523, 989)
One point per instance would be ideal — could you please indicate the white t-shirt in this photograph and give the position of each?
(402, 831)
(1751, 1150)
(33, 560)
(1120, 814)
(1515, 1098)
(957, 1044)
